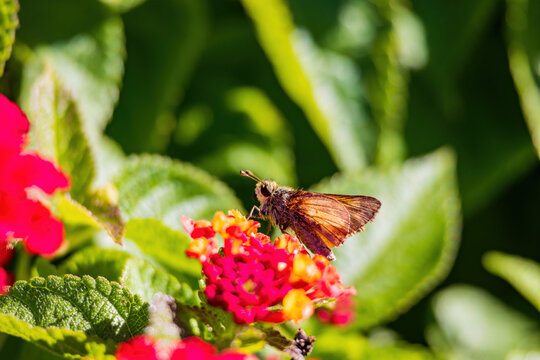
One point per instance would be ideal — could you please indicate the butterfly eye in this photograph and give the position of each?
(265, 192)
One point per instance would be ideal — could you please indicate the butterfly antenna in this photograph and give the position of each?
(250, 175)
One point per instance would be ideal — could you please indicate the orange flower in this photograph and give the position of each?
(297, 306)
(289, 243)
(224, 224)
(304, 269)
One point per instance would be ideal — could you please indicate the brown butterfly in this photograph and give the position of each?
(320, 221)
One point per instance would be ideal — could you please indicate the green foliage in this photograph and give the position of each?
(472, 324)
(159, 188)
(89, 63)
(294, 91)
(153, 85)
(138, 275)
(333, 344)
(166, 246)
(104, 215)
(62, 341)
(523, 48)
(57, 130)
(521, 273)
(412, 243)
(67, 312)
(326, 99)
(8, 24)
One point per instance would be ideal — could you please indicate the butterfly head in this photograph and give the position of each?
(264, 188)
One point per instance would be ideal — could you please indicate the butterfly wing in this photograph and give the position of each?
(323, 217)
(329, 219)
(362, 209)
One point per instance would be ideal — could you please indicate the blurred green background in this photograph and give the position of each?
(402, 99)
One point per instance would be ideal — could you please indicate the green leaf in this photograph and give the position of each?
(88, 60)
(523, 53)
(122, 5)
(140, 276)
(322, 83)
(63, 342)
(472, 324)
(57, 130)
(163, 189)
(8, 24)
(208, 322)
(334, 344)
(166, 246)
(495, 150)
(412, 242)
(268, 152)
(105, 217)
(174, 33)
(521, 273)
(60, 311)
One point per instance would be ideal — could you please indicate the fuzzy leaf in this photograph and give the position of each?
(413, 240)
(72, 316)
(92, 306)
(521, 273)
(163, 189)
(8, 24)
(60, 341)
(88, 60)
(57, 130)
(140, 276)
(166, 246)
(105, 217)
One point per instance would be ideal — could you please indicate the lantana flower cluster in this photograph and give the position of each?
(23, 218)
(255, 278)
(192, 348)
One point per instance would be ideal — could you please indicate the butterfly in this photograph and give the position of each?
(320, 221)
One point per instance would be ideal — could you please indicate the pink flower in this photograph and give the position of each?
(20, 216)
(255, 279)
(192, 348)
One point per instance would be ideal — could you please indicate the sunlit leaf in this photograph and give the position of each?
(67, 314)
(334, 344)
(412, 242)
(471, 324)
(60, 341)
(89, 64)
(159, 188)
(318, 81)
(57, 130)
(167, 247)
(8, 24)
(524, 57)
(521, 273)
(140, 276)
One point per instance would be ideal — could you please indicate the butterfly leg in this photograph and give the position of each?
(255, 216)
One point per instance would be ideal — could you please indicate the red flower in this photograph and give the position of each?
(6, 280)
(21, 217)
(138, 348)
(192, 348)
(255, 279)
(340, 314)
